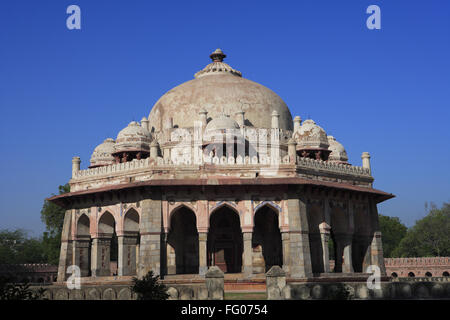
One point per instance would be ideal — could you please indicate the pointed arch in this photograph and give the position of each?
(106, 224)
(182, 241)
(276, 208)
(266, 238)
(131, 222)
(225, 238)
(83, 227)
(222, 204)
(174, 210)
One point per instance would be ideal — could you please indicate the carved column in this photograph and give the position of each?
(81, 256)
(100, 257)
(150, 231)
(343, 261)
(65, 256)
(300, 257)
(247, 255)
(285, 247)
(376, 244)
(127, 255)
(202, 253)
(170, 257)
(324, 238)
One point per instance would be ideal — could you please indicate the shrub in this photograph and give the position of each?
(149, 288)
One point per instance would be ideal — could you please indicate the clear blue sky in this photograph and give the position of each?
(385, 91)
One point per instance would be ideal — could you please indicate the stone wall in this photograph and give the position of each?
(280, 288)
(418, 267)
(212, 288)
(424, 267)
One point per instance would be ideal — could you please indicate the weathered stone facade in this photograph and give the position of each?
(242, 194)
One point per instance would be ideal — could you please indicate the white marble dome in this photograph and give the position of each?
(133, 138)
(338, 153)
(102, 154)
(219, 88)
(310, 136)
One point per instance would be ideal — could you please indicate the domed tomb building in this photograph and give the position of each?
(219, 174)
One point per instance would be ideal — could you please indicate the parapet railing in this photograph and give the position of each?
(262, 160)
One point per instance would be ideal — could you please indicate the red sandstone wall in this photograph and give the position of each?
(436, 266)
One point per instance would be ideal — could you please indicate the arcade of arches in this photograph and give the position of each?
(246, 237)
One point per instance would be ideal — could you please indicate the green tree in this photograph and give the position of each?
(16, 248)
(53, 217)
(429, 237)
(149, 288)
(393, 231)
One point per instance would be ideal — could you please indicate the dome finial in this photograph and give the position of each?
(217, 55)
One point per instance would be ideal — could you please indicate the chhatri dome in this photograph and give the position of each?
(102, 154)
(216, 88)
(338, 153)
(133, 138)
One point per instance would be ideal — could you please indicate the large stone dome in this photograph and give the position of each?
(218, 89)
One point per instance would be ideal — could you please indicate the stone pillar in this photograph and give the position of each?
(275, 283)
(170, 258)
(65, 255)
(324, 239)
(343, 262)
(376, 247)
(101, 257)
(154, 150)
(367, 259)
(285, 246)
(292, 152)
(150, 231)
(275, 120)
(81, 256)
(214, 280)
(75, 165)
(300, 256)
(366, 161)
(144, 123)
(127, 255)
(297, 123)
(247, 255)
(376, 252)
(202, 253)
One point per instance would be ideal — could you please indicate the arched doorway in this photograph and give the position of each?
(267, 237)
(225, 243)
(105, 263)
(183, 242)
